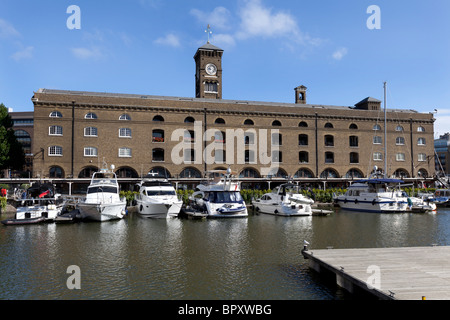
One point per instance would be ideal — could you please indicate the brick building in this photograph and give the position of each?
(138, 133)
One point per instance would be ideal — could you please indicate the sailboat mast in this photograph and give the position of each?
(385, 134)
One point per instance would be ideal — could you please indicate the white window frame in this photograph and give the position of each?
(377, 156)
(124, 133)
(422, 157)
(421, 141)
(125, 117)
(401, 142)
(90, 152)
(91, 116)
(124, 152)
(55, 131)
(90, 132)
(377, 138)
(55, 151)
(55, 114)
(420, 129)
(400, 156)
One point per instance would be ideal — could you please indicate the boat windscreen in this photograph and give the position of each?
(160, 192)
(225, 196)
(98, 189)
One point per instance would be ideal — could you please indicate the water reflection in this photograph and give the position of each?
(251, 258)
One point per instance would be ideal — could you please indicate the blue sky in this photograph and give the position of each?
(270, 47)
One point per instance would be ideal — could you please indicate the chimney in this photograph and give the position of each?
(300, 94)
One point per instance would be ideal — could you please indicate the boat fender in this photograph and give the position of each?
(141, 207)
(345, 200)
(356, 201)
(373, 201)
(276, 211)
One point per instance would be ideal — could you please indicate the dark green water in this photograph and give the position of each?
(253, 258)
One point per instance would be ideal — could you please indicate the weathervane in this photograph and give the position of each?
(208, 31)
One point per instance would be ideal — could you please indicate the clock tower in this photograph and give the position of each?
(208, 74)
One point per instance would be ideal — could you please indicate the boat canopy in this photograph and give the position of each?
(381, 181)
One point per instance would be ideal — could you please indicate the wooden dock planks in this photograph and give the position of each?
(410, 273)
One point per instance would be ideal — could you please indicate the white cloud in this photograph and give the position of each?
(218, 18)
(257, 20)
(87, 53)
(339, 53)
(169, 40)
(26, 53)
(7, 30)
(226, 40)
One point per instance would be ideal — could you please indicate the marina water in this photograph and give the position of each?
(258, 257)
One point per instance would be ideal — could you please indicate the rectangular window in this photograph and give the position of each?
(377, 156)
(125, 133)
(55, 151)
(400, 157)
(90, 152)
(377, 140)
(422, 157)
(124, 152)
(90, 132)
(55, 131)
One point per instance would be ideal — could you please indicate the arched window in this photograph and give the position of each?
(399, 128)
(329, 125)
(303, 124)
(329, 173)
(160, 172)
(90, 115)
(420, 129)
(401, 173)
(55, 114)
(126, 172)
(354, 173)
(353, 126)
(189, 120)
(158, 154)
(125, 117)
(219, 121)
(87, 172)
(422, 173)
(279, 173)
(249, 173)
(303, 173)
(377, 127)
(190, 173)
(276, 123)
(56, 172)
(249, 122)
(158, 118)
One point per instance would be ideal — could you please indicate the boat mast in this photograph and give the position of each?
(385, 129)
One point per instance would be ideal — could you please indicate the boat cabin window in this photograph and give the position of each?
(98, 189)
(225, 196)
(160, 192)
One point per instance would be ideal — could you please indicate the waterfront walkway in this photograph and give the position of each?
(406, 273)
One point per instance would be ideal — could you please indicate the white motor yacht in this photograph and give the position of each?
(219, 197)
(103, 201)
(285, 200)
(157, 198)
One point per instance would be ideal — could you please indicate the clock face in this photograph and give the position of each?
(211, 69)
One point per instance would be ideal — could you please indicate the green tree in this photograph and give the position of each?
(11, 153)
